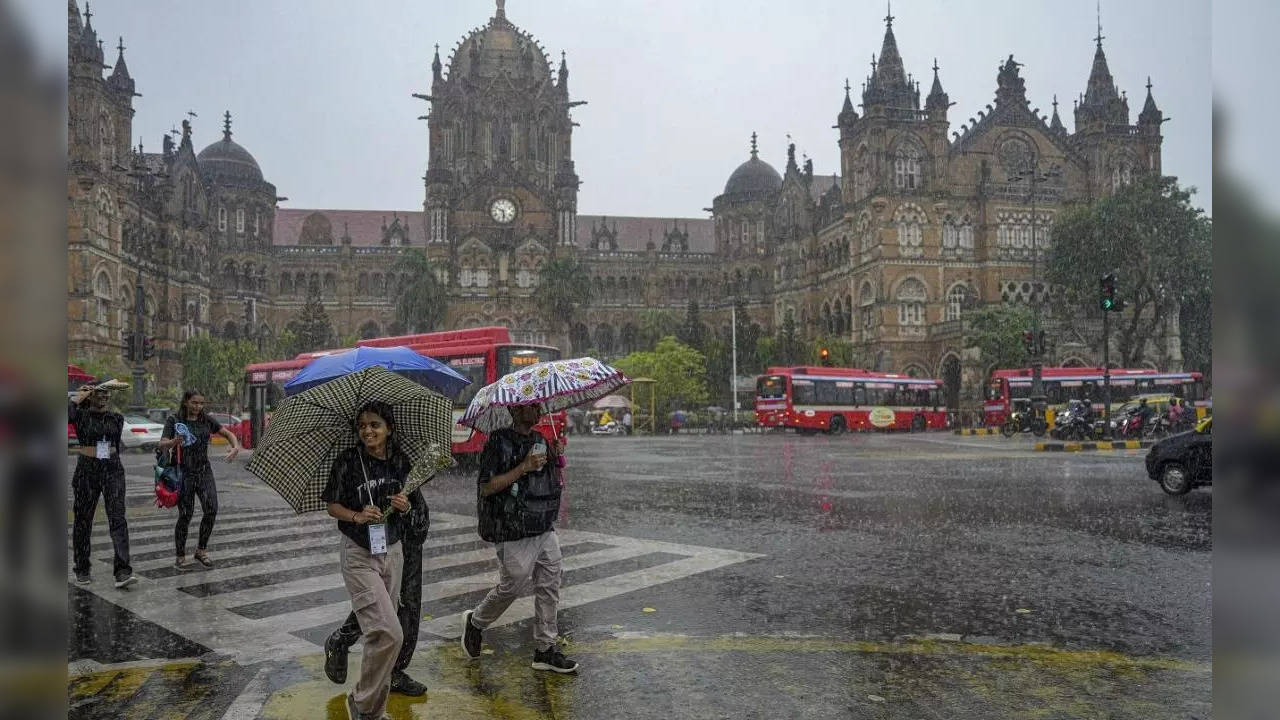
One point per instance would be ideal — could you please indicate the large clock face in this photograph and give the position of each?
(502, 210)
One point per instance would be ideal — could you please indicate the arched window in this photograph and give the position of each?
(906, 167)
(861, 174)
(867, 301)
(102, 298)
(524, 278)
(910, 220)
(464, 277)
(1121, 171)
(106, 211)
(107, 143)
(286, 284)
(362, 284)
(330, 284)
(240, 220)
(482, 277)
(956, 297)
(911, 298)
(222, 219)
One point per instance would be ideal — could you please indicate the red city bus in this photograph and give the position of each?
(1062, 385)
(834, 400)
(481, 354)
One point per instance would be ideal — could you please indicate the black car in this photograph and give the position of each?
(1183, 461)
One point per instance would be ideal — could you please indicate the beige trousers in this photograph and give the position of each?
(374, 584)
(531, 563)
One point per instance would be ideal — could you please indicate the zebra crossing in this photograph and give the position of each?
(275, 590)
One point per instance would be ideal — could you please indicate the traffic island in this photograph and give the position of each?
(1099, 445)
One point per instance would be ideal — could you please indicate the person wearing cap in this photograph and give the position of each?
(98, 472)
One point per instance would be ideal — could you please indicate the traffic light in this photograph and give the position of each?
(148, 348)
(1107, 294)
(1028, 342)
(824, 357)
(128, 349)
(1040, 344)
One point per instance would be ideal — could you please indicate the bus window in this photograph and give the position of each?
(802, 392)
(995, 390)
(771, 387)
(473, 368)
(859, 394)
(1019, 391)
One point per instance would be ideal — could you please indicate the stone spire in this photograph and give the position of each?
(226, 126)
(888, 85)
(847, 114)
(938, 100)
(563, 79)
(754, 150)
(891, 69)
(1150, 114)
(120, 79)
(1055, 123)
(1101, 102)
(87, 48)
(75, 25)
(436, 67)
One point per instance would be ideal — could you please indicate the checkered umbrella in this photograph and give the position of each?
(553, 385)
(309, 430)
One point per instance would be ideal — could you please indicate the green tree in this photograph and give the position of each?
(766, 352)
(693, 332)
(655, 325)
(563, 289)
(996, 330)
(788, 347)
(209, 364)
(748, 335)
(423, 302)
(679, 371)
(312, 328)
(1159, 245)
(719, 369)
(840, 351)
(1195, 323)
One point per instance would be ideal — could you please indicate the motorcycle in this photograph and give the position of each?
(1023, 421)
(1074, 425)
(609, 428)
(1130, 427)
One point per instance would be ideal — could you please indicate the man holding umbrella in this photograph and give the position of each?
(518, 493)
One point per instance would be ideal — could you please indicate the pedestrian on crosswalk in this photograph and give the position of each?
(339, 643)
(366, 483)
(194, 428)
(518, 500)
(98, 472)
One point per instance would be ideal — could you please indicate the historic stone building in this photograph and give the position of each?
(921, 222)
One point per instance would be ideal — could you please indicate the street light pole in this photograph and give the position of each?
(138, 343)
(1033, 177)
(733, 379)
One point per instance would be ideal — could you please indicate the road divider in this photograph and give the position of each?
(977, 431)
(1099, 445)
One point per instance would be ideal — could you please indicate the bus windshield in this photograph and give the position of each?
(473, 368)
(994, 392)
(771, 387)
(512, 358)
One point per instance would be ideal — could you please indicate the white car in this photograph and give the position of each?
(140, 432)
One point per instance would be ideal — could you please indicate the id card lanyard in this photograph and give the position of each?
(378, 531)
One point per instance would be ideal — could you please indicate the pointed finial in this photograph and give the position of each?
(873, 63)
(935, 67)
(226, 125)
(502, 9)
(846, 86)
(1100, 36)
(88, 14)
(753, 143)
(1148, 84)
(1055, 101)
(888, 16)
(120, 47)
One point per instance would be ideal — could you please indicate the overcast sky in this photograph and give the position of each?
(320, 89)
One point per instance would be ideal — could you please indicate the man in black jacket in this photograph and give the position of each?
(518, 498)
(410, 612)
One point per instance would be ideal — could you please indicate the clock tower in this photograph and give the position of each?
(501, 191)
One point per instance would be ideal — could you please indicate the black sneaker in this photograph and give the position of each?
(335, 660)
(353, 712)
(554, 660)
(405, 685)
(472, 636)
(124, 580)
(83, 579)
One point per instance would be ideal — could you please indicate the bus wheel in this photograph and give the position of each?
(918, 424)
(837, 426)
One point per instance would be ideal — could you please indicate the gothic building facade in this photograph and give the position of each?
(921, 222)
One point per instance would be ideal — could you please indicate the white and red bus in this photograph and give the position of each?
(1062, 385)
(833, 400)
(481, 354)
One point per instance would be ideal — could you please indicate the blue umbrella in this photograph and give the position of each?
(400, 360)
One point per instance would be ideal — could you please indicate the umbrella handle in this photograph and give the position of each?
(560, 461)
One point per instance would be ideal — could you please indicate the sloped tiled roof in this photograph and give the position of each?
(364, 226)
(820, 185)
(634, 232)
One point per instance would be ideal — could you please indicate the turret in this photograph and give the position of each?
(1150, 115)
(120, 81)
(938, 101)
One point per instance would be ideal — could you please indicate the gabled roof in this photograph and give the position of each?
(634, 233)
(364, 226)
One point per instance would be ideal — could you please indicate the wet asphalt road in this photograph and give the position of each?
(901, 576)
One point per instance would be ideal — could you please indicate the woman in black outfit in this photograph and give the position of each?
(197, 474)
(98, 471)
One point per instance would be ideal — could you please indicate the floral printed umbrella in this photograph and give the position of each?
(553, 385)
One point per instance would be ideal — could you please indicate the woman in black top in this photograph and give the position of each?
(365, 484)
(197, 474)
(98, 471)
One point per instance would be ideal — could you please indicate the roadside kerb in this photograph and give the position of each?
(977, 431)
(1100, 445)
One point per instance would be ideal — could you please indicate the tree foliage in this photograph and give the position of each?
(693, 332)
(996, 331)
(788, 348)
(563, 289)
(1157, 243)
(679, 371)
(208, 364)
(423, 302)
(840, 351)
(312, 329)
(655, 325)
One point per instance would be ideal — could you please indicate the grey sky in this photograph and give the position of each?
(320, 90)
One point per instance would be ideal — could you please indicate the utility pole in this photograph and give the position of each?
(138, 342)
(1034, 177)
(1106, 374)
(733, 379)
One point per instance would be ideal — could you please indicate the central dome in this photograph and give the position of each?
(500, 48)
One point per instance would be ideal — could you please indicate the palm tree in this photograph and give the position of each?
(563, 288)
(421, 305)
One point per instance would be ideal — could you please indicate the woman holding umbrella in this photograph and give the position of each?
(364, 480)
